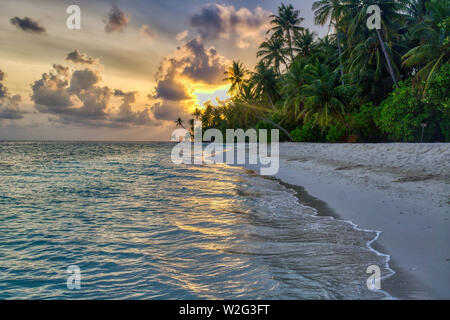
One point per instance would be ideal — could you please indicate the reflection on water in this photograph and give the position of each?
(140, 227)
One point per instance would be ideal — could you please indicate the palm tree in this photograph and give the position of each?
(293, 82)
(416, 11)
(273, 52)
(191, 127)
(236, 74)
(265, 81)
(197, 113)
(433, 49)
(329, 10)
(179, 123)
(304, 42)
(386, 56)
(286, 23)
(365, 66)
(323, 97)
(354, 14)
(248, 108)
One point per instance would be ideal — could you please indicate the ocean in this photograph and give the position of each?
(140, 227)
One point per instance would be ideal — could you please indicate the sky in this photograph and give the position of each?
(131, 69)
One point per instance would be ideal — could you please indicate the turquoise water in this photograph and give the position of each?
(140, 227)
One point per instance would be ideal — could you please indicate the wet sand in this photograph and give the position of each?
(401, 190)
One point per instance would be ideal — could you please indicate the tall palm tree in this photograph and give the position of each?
(197, 113)
(236, 75)
(273, 52)
(330, 10)
(265, 81)
(287, 22)
(354, 13)
(293, 82)
(191, 127)
(247, 107)
(324, 97)
(304, 42)
(416, 11)
(433, 49)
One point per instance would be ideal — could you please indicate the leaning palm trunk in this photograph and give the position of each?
(386, 56)
(274, 123)
(278, 126)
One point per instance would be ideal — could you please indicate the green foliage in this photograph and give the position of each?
(308, 132)
(337, 133)
(363, 123)
(437, 99)
(403, 112)
(340, 87)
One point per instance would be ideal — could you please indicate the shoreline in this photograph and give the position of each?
(400, 190)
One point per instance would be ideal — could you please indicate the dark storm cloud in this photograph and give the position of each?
(117, 20)
(80, 58)
(27, 24)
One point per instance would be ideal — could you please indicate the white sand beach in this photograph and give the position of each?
(399, 189)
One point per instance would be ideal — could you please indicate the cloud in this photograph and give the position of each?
(147, 32)
(10, 108)
(9, 105)
(126, 116)
(192, 64)
(201, 64)
(171, 89)
(75, 97)
(3, 90)
(83, 80)
(182, 35)
(28, 25)
(214, 21)
(80, 58)
(117, 20)
(50, 94)
(170, 110)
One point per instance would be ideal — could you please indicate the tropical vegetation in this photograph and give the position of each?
(352, 85)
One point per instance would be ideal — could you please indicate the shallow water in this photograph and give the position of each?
(140, 227)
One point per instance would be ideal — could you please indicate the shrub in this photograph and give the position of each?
(437, 99)
(402, 113)
(337, 133)
(308, 132)
(363, 123)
